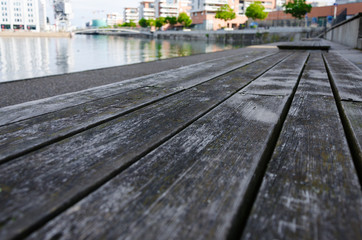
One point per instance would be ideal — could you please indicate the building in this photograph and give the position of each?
(166, 8)
(131, 14)
(23, 15)
(43, 23)
(114, 19)
(269, 5)
(321, 3)
(347, 1)
(147, 9)
(203, 14)
(319, 15)
(62, 14)
(184, 6)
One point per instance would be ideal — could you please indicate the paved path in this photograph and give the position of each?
(260, 145)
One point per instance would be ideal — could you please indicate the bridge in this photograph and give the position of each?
(112, 31)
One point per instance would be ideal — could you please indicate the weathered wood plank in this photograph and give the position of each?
(24, 136)
(191, 186)
(181, 78)
(346, 76)
(73, 167)
(305, 45)
(310, 190)
(347, 82)
(353, 115)
(277, 81)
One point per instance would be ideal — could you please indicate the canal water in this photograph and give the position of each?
(22, 58)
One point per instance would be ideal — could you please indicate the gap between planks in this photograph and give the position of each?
(352, 140)
(84, 193)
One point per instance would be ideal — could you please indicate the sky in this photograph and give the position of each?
(86, 10)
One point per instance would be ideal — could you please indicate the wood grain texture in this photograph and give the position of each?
(305, 45)
(353, 114)
(72, 167)
(26, 135)
(346, 76)
(189, 187)
(180, 78)
(347, 83)
(280, 80)
(310, 190)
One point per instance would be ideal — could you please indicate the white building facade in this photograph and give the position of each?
(114, 19)
(166, 8)
(131, 14)
(321, 3)
(23, 15)
(147, 9)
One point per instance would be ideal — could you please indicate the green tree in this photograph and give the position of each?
(129, 24)
(256, 11)
(160, 22)
(184, 19)
(225, 13)
(143, 23)
(171, 20)
(297, 8)
(151, 22)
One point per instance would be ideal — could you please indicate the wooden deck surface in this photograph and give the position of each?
(265, 145)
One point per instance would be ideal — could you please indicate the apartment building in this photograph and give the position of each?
(203, 14)
(184, 6)
(131, 14)
(147, 9)
(114, 19)
(166, 8)
(22, 15)
(269, 5)
(321, 3)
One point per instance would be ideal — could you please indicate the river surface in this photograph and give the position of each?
(22, 58)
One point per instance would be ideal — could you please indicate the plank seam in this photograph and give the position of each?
(350, 136)
(241, 217)
(151, 75)
(84, 193)
(75, 132)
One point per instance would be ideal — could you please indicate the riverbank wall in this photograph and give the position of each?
(248, 36)
(253, 36)
(35, 34)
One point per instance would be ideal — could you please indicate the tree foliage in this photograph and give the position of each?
(151, 22)
(297, 8)
(160, 22)
(256, 11)
(171, 20)
(129, 24)
(184, 19)
(143, 23)
(225, 13)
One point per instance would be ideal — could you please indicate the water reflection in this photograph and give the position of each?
(22, 58)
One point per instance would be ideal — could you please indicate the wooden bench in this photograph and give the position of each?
(256, 147)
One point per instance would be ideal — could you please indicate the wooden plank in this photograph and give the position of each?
(346, 76)
(305, 45)
(191, 186)
(181, 78)
(310, 190)
(353, 116)
(77, 165)
(347, 82)
(24, 136)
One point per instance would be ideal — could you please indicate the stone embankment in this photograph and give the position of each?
(35, 34)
